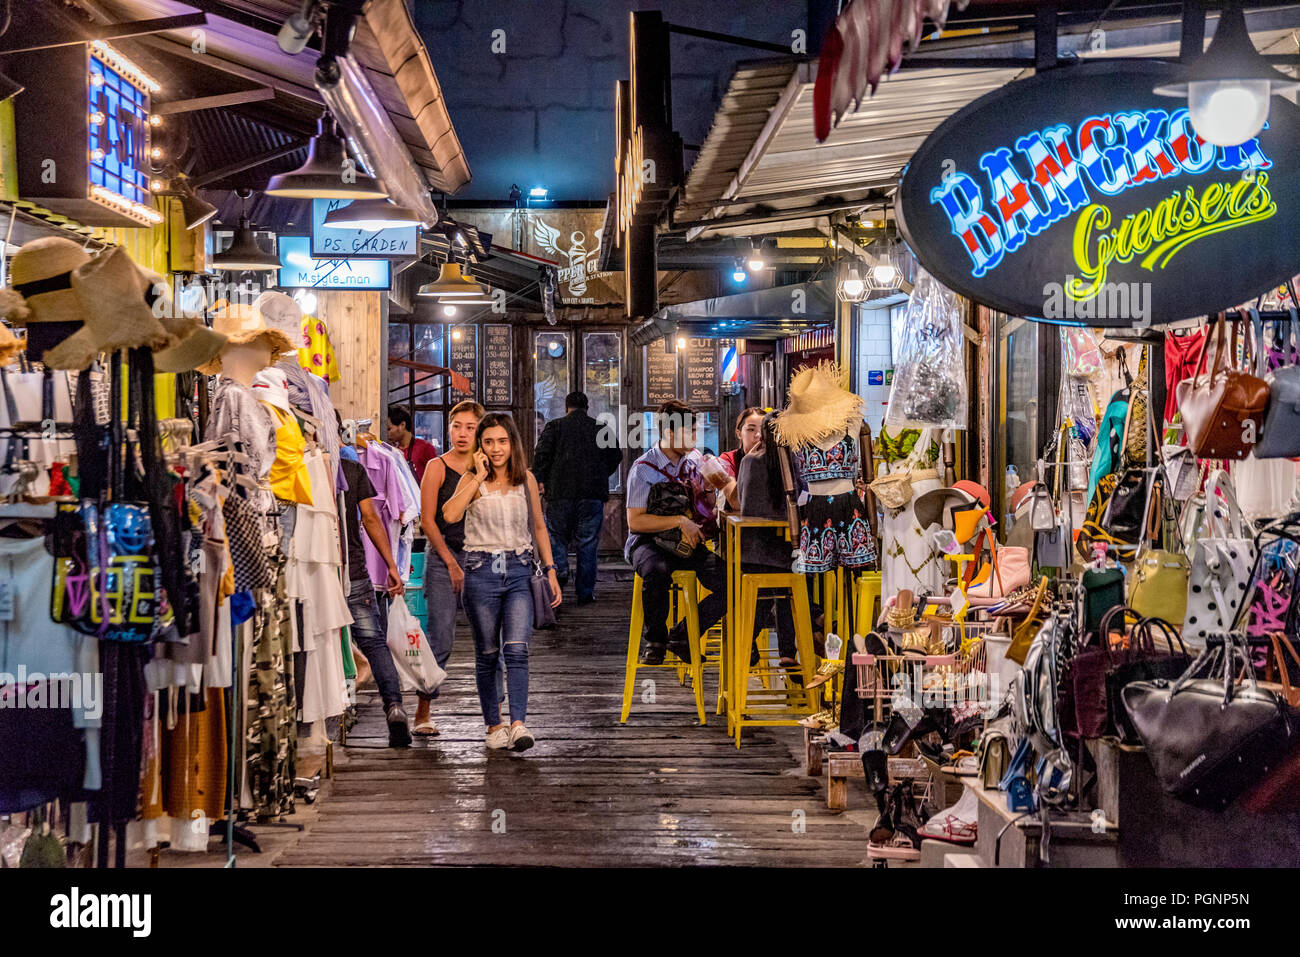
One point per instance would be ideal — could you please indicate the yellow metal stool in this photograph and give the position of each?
(866, 599)
(688, 587)
(770, 706)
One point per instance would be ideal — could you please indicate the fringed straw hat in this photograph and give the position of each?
(819, 408)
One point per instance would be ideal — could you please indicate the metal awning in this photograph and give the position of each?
(754, 314)
(760, 170)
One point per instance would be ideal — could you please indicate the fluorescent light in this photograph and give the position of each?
(538, 192)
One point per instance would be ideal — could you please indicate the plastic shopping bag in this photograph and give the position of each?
(416, 665)
(929, 371)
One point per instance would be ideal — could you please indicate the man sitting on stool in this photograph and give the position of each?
(673, 459)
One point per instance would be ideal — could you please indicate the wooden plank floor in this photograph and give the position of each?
(659, 791)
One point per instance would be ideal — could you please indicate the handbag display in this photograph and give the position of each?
(1143, 662)
(1158, 588)
(1007, 570)
(1125, 514)
(1052, 548)
(1183, 470)
(1265, 487)
(1224, 412)
(1281, 434)
(1042, 510)
(1221, 566)
(1210, 739)
(1089, 671)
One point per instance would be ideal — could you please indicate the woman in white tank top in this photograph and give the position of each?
(499, 502)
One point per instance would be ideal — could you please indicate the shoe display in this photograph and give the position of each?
(958, 824)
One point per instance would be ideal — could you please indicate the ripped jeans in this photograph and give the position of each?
(499, 604)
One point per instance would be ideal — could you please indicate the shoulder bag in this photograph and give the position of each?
(1223, 412)
(1210, 739)
(1159, 576)
(1221, 565)
(1142, 661)
(1281, 436)
(543, 612)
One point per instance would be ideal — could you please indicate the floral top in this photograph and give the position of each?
(316, 354)
(840, 461)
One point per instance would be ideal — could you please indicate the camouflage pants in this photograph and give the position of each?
(270, 726)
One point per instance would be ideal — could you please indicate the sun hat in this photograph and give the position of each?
(282, 313)
(272, 385)
(819, 407)
(191, 342)
(930, 507)
(41, 272)
(241, 324)
(13, 310)
(117, 315)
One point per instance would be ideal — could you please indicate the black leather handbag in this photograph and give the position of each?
(1143, 662)
(1125, 515)
(1210, 739)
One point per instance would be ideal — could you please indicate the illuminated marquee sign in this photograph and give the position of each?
(298, 270)
(1050, 196)
(117, 138)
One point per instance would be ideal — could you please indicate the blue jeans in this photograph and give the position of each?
(499, 604)
(371, 636)
(442, 602)
(577, 520)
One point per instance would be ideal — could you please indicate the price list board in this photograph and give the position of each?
(498, 364)
(702, 372)
(660, 375)
(464, 359)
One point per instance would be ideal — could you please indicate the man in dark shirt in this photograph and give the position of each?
(367, 632)
(573, 471)
(401, 433)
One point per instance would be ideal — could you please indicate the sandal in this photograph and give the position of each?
(829, 669)
(426, 729)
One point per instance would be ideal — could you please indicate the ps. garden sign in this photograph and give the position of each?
(1081, 180)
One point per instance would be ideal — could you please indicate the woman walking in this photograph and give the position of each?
(444, 579)
(504, 538)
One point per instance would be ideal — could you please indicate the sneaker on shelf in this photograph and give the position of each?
(498, 739)
(399, 733)
(521, 739)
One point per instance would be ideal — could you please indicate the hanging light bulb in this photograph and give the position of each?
(738, 274)
(449, 310)
(1229, 87)
(756, 262)
(851, 287)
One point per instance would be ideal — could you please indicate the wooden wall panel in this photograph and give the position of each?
(356, 325)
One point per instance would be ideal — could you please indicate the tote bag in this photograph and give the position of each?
(1221, 565)
(416, 666)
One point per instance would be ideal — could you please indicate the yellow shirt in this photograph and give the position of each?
(316, 354)
(289, 477)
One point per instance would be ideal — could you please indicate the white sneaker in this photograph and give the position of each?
(498, 739)
(521, 739)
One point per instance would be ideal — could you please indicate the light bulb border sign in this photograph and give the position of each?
(1084, 180)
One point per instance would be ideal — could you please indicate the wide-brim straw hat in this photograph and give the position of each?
(13, 310)
(41, 272)
(191, 343)
(819, 407)
(241, 324)
(282, 313)
(117, 313)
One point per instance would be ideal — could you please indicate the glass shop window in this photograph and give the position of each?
(551, 378)
(602, 379)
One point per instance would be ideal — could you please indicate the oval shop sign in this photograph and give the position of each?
(1078, 195)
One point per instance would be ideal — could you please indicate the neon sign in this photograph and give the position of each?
(1081, 177)
(117, 134)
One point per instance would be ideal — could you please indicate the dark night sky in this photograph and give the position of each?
(543, 113)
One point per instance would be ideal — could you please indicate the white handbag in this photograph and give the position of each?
(1221, 565)
(1265, 487)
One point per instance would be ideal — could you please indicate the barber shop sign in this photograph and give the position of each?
(1044, 197)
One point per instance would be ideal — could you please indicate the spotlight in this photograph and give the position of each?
(449, 310)
(537, 192)
(456, 335)
(297, 30)
(307, 300)
(155, 119)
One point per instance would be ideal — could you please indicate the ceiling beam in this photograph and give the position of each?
(214, 102)
(269, 156)
(212, 62)
(119, 31)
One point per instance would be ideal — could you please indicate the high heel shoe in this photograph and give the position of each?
(900, 732)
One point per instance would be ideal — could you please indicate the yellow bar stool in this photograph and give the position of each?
(732, 553)
(866, 600)
(688, 595)
(770, 706)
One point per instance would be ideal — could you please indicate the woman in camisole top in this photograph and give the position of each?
(502, 510)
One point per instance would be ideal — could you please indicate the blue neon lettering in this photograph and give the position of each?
(959, 197)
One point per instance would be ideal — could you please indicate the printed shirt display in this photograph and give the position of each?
(316, 354)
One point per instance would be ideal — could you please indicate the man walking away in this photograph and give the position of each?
(573, 472)
(401, 433)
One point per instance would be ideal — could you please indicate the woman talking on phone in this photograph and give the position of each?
(504, 537)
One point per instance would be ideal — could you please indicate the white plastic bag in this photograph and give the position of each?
(412, 655)
(929, 372)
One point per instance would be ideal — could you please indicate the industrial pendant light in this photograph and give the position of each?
(196, 210)
(454, 286)
(324, 176)
(243, 254)
(372, 214)
(1229, 86)
(851, 287)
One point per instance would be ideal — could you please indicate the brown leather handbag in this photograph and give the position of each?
(1223, 414)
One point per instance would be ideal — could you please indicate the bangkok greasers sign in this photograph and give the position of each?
(1080, 195)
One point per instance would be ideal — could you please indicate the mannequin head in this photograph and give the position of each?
(242, 362)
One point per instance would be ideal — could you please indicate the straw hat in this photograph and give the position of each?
(41, 272)
(190, 342)
(819, 407)
(242, 324)
(13, 310)
(282, 313)
(117, 315)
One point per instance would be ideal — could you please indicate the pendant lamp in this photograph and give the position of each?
(455, 286)
(322, 176)
(372, 214)
(243, 254)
